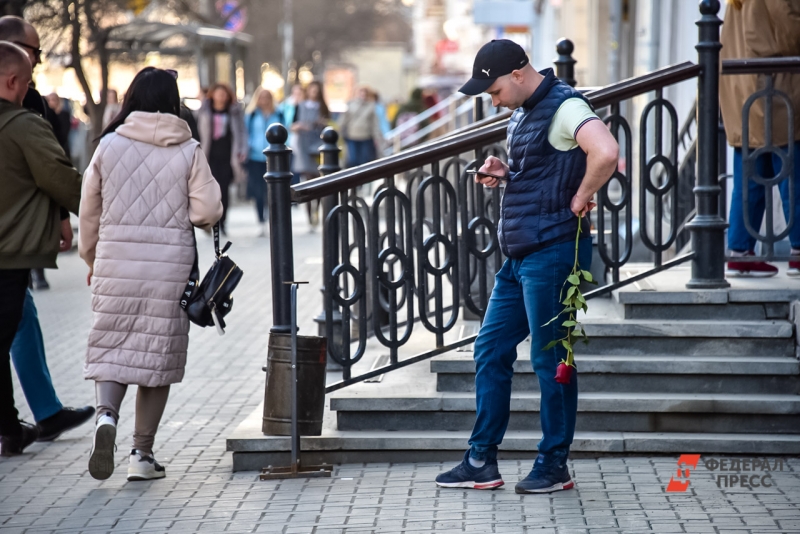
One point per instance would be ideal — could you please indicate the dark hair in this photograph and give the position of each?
(324, 113)
(225, 87)
(12, 28)
(153, 91)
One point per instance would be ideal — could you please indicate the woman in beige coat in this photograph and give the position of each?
(146, 187)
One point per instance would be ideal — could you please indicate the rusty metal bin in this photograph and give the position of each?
(311, 358)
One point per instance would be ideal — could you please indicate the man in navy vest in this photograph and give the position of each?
(559, 156)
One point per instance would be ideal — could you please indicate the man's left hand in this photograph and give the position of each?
(66, 236)
(581, 207)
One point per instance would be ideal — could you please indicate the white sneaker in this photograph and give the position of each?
(143, 467)
(101, 461)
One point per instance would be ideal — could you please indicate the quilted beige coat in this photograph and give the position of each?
(145, 187)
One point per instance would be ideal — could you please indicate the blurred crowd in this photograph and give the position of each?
(232, 133)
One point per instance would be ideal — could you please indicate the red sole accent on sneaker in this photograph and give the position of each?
(490, 485)
(567, 486)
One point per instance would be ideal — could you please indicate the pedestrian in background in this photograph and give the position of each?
(381, 110)
(360, 127)
(407, 113)
(146, 188)
(311, 117)
(63, 120)
(36, 178)
(112, 107)
(27, 350)
(755, 28)
(223, 139)
(288, 107)
(289, 110)
(260, 114)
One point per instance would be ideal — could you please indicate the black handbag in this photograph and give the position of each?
(207, 302)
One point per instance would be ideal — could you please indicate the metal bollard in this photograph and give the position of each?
(565, 64)
(279, 200)
(329, 158)
(707, 227)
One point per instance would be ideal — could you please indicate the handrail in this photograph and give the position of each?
(477, 137)
(471, 339)
(632, 87)
(762, 65)
(431, 111)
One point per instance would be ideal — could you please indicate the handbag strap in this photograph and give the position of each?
(194, 278)
(217, 251)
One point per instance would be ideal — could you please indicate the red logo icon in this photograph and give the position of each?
(680, 483)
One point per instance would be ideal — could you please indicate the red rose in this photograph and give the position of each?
(563, 373)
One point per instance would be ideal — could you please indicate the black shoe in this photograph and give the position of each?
(65, 419)
(548, 475)
(14, 445)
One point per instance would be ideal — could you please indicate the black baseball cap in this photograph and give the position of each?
(496, 58)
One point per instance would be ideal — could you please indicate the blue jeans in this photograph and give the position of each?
(360, 152)
(27, 353)
(525, 297)
(768, 165)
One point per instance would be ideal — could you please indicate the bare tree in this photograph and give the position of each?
(74, 30)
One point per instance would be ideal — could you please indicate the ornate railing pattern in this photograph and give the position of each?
(431, 232)
(428, 231)
(766, 68)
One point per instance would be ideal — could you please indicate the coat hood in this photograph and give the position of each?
(160, 129)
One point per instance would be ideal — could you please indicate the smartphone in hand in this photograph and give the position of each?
(474, 172)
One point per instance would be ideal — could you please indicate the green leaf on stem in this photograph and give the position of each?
(573, 279)
(571, 291)
(587, 276)
(551, 344)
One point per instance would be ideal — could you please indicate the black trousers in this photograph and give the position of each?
(13, 283)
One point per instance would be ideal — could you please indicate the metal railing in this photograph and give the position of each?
(454, 112)
(424, 246)
(756, 180)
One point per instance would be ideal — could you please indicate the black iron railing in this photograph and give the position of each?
(421, 248)
(766, 69)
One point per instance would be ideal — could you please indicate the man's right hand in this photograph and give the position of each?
(492, 165)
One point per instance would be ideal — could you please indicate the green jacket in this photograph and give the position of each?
(35, 179)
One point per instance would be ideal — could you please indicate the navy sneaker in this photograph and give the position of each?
(546, 477)
(465, 476)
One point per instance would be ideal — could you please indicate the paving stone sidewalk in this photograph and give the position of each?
(49, 488)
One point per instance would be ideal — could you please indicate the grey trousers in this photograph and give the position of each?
(150, 403)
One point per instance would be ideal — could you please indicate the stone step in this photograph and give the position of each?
(690, 329)
(673, 291)
(633, 412)
(699, 312)
(688, 338)
(252, 450)
(631, 374)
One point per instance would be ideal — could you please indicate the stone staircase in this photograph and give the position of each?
(666, 371)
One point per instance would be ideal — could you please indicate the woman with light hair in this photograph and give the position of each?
(260, 113)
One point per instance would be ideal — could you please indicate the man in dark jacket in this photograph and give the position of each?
(36, 178)
(27, 351)
(559, 156)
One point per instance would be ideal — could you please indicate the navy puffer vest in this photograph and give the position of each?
(542, 179)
